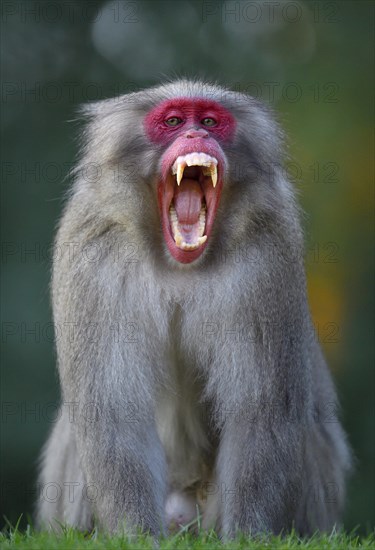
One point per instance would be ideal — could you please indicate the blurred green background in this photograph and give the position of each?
(311, 61)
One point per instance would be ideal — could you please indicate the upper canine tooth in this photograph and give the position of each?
(180, 173)
(213, 171)
(179, 160)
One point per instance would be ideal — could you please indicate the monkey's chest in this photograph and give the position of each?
(183, 430)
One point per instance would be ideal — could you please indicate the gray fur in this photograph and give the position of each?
(206, 376)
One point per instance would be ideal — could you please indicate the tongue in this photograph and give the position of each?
(188, 201)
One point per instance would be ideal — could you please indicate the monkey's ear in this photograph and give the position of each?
(134, 102)
(100, 108)
(108, 127)
(100, 117)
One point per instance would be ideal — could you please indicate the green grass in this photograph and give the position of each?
(71, 539)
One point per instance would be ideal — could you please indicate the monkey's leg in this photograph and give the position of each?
(62, 496)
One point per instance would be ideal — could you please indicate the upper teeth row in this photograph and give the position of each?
(195, 159)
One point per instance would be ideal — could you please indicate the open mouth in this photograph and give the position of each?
(188, 198)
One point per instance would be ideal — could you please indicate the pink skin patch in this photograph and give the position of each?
(180, 510)
(189, 134)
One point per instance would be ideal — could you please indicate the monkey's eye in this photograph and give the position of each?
(173, 121)
(208, 121)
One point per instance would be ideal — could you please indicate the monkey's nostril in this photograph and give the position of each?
(193, 133)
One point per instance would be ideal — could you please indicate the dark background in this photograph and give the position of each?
(312, 61)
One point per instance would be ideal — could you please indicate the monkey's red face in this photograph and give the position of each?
(191, 170)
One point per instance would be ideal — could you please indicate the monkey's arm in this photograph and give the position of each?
(261, 382)
(106, 369)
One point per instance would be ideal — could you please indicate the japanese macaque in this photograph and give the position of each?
(193, 385)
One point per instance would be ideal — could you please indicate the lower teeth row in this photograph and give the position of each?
(177, 234)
